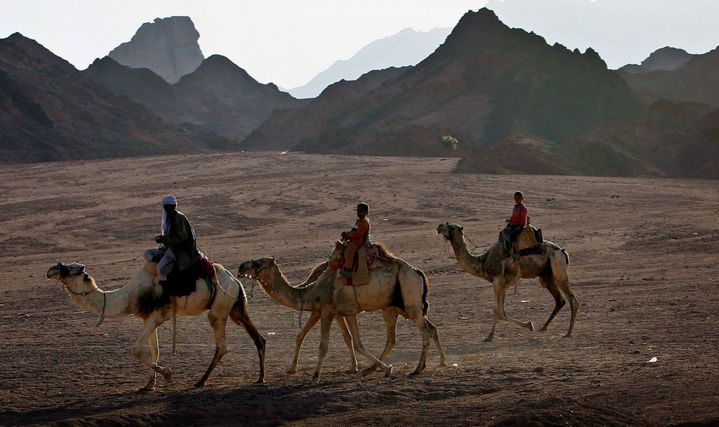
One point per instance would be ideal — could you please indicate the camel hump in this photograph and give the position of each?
(382, 251)
(530, 237)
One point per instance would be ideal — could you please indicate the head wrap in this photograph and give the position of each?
(166, 201)
(169, 200)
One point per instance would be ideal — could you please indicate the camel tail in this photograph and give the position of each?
(559, 265)
(566, 255)
(425, 290)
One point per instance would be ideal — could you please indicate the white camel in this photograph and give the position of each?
(549, 262)
(142, 296)
(401, 286)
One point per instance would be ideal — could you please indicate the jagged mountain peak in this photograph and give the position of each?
(167, 46)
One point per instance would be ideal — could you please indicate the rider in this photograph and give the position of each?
(357, 236)
(178, 240)
(515, 224)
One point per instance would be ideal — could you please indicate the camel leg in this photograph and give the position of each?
(148, 329)
(561, 280)
(311, 322)
(348, 341)
(427, 329)
(500, 289)
(573, 303)
(218, 328)
(154, 346)
(390, 320)
(558, 300)
(239, 315)
(435, 336)
(357, 342)
(326, 318)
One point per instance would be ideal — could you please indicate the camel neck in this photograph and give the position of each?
(276, 285)
(470, 263)
(111, 303)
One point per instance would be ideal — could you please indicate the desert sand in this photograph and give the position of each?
(643, 265)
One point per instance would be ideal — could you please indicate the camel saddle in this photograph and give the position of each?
(366, 258)
(181, 283)
(528, 242)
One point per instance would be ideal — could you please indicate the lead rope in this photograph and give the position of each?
(104, 304)
(174, 325)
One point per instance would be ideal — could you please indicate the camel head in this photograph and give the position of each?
(254, 267)
(449, 231)
(73, 276)
(62, 271)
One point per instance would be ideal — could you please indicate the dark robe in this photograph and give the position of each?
(180, 238)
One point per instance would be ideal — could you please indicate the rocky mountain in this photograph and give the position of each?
(669, 140)
(664, 59)
(697, 80)
(167, 46)
(218, 96)
(51, 111)
(484, 84)
(287, 127)
(408, 47)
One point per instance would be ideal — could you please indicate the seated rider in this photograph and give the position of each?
(515, 224)
(357, 236)
(178, 241)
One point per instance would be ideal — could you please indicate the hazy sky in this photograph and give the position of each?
(290, 41)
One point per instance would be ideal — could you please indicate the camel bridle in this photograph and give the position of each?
(65, 274)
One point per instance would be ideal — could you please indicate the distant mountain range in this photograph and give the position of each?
(408, 47)
(676, 76)
(218, 96)
(51, 111)
(514, 103)
(485, 82)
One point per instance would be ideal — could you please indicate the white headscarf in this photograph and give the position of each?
(167, 200)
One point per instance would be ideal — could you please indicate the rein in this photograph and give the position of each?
(86, 293)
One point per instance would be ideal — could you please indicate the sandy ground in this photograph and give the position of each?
(643, 265)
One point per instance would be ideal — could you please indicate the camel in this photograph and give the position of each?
(389, 315)
(142, 296)
(400, 286)
(549, 263)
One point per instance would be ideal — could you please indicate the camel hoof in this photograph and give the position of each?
(352, 371)
(261, 381)
(200, 384)
(543, 329)
(442, 364)
(569, 335)
(529, 325)
(292, 371)
(166, 373)
(489, 339)
(388, 371)
(145, 389)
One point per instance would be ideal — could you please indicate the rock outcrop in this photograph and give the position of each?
(167, 46)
